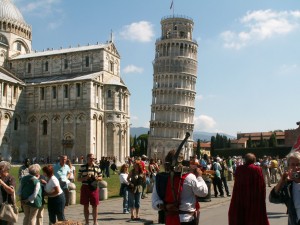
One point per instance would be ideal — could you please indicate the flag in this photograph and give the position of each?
(171, 6)
(296, 146)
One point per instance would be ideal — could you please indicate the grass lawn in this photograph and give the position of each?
(113, 183)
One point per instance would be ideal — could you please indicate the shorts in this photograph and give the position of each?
(87, 196)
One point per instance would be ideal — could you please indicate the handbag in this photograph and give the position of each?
(9, 212)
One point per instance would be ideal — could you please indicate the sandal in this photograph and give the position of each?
(138, 218)
(132, 218)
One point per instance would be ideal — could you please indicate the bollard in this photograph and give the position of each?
(72, 193)
(230, 175)
(103, 194)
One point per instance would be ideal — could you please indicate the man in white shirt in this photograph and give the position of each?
(191, 185)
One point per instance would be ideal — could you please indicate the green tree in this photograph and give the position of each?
(261, 141)
(218, 141)
(249, 142)
(266, 143)
(224, 141)
(229, 143)
(273, 140)
(142, 144)
(212, 144)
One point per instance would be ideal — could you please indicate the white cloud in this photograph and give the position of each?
(133, 120)
(290, 69)
(54, 25)
(140, 31)
(199, 97)
(40, 7)
(133, 69)
(261, 25)
(43, 9)
(204, 122)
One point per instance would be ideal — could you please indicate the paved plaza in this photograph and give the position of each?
(110, 211)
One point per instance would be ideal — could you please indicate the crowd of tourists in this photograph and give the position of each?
(51, 183)
(140, 175)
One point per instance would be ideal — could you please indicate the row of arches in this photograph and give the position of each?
(186, 49)
(174, 81)
(161, 124)
(175, 66)
(16, 28)
(175, 97)
(172, 108)
(57, 118)
(176, 92)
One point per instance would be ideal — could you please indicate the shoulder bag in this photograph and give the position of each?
(9, 212)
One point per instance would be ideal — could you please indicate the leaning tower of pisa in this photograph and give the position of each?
(173, 92)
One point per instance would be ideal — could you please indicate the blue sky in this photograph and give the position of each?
(248, 53)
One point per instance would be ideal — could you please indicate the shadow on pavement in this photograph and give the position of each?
(276, 215)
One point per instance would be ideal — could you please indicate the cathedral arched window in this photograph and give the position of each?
(45, 127)
(3, 40)
(78, 90)
(54, 92)
(87, 61)
(66, 63)
(111, 66)
(16, 123)
(29, 68)
(4, 89)
(42, 93)
(15, 92)
(109, 93)
(120, 101)
(19, 46)
(66, 91)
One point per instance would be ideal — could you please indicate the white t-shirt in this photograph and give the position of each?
(51, 184)
(191, 186)
(123, 178)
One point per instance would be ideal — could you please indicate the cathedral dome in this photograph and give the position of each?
(9, 11)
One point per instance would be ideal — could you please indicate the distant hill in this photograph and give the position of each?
(137, 131)
(203, 136)
(206, 136)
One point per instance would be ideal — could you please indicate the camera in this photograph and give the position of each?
(91, 178)
(185, 163)
(295, 175)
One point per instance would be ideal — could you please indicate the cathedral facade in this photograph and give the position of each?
(67, 101)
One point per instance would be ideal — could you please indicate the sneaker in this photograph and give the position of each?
(126, 212)
(228, 195)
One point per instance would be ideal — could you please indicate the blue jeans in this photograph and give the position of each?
(134, 199)
(56, 207)
(125, 200)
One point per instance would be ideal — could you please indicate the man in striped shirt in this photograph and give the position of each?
(89, 174)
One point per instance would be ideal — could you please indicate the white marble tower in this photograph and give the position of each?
(173, 93)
